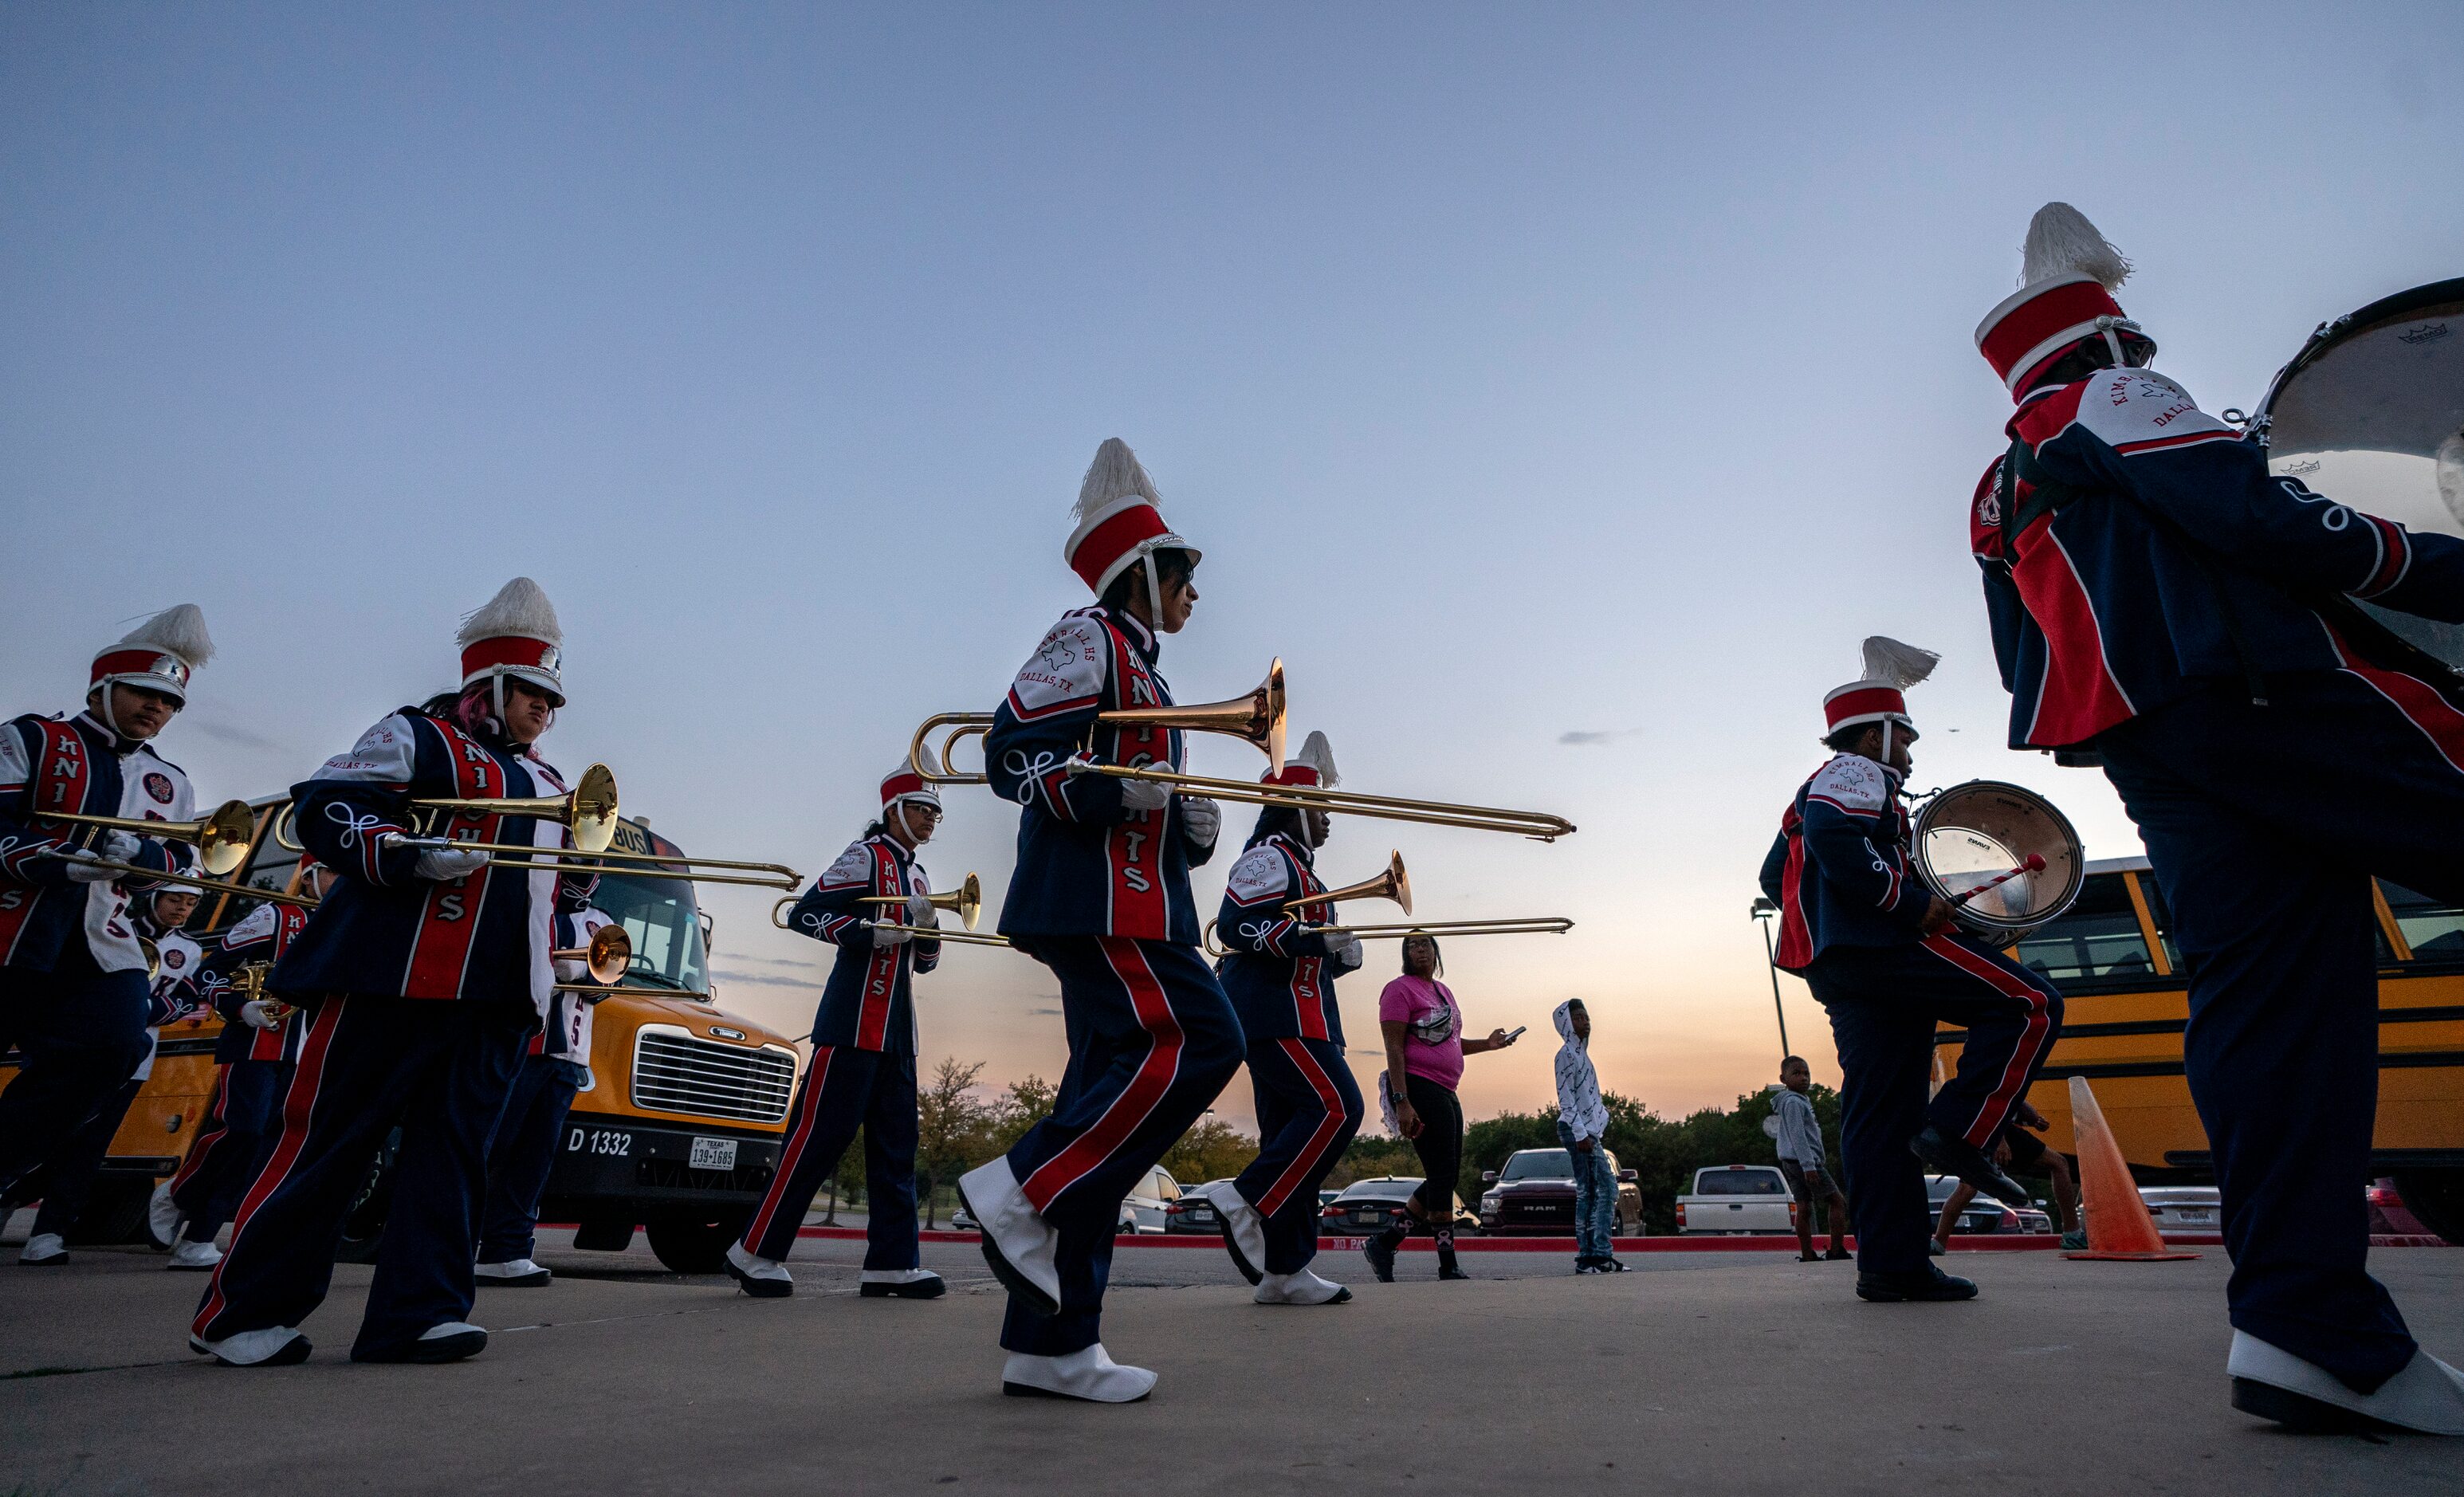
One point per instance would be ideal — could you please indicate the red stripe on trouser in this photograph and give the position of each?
(299, 1105)
(2420, 703)
(213, 1131)
(2024, 1055)
(1146, 1089)
(816, 1076)
(1329, 1125)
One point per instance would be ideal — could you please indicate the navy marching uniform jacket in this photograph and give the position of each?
(2103, 608)
(76, 764)
(566, 1034)
(1279, 977)
(381, 929)
(869, 1004)
(1085, 866)
(264, 935)
(1839, 869)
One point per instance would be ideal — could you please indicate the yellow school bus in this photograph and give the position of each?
(678, 1133)
(2125, 1007)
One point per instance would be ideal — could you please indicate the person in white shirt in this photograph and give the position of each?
(1583, 1127)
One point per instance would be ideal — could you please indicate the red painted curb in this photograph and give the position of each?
(1990, 1243)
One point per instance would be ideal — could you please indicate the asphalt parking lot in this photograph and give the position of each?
(1707, 1371)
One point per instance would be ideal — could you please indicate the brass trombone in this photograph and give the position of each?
(967, 900)
(779, 919)
(1520, 925)
(1539, 826)
(1394, 884)
(222, 836)
(608, 955)
(1257, 716)
(217, 885)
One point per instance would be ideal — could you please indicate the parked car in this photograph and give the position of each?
(1534, 1195)
(1981, 1212)
(1192, 1212)
(1372, 1205)
(1147, 1208)
(2184, 1208)
(2389, 1212)
(1736, 1199)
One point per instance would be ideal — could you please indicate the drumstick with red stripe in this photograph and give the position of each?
(2036, 864)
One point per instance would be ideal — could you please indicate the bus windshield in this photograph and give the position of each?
(660, 916)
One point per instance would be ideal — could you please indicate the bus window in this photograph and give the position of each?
(2098, 937)
(2432, 928)
(2160, 916)
(661, 917)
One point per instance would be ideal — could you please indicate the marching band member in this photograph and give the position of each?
(72, 984)
(2163, 603)
(1881, 955)
(555, 1065)
(255, 1058)
(1101, 897)
(1280, 979)
(424, 972)
(68, 1176)
(863, 1070)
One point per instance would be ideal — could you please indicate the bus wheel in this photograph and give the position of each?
(694, 1242)
(2438, 1197)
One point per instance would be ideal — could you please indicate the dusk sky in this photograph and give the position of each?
(1562, 392)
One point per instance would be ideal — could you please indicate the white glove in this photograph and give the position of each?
(120, 846)
(1144, 795)
(920, 911)
(84, 867)
(1344, 951)
(884, 935)
(1203, 818)
(259, 1014)
(445, 864)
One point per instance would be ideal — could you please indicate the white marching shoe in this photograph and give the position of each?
(2273, 1384)
(1244, 1231)
(161, 1216)
(1019, 1247)
(519, 1274)
(1300, 1289)
(275, 1346)
(45, 1250)
(903, 1284)
(1088, 1374)
(193, 1257)
(762, 1278)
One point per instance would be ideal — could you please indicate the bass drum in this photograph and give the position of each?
(1969, 834)
(2370, 414)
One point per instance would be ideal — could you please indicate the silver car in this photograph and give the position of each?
(2184, 1208)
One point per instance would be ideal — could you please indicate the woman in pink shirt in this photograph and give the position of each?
(1425, 1047)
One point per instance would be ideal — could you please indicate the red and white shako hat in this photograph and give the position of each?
(514, 634)
(1880, 695)
(1312, 766)
(904, 784)
(158, 654)
(2068, 277)
(1120, 520)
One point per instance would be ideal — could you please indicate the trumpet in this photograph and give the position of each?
(248, 981)
(588, 813)
(1394, 884)
(215, 886)
(779, 919)
(222, 836)
(1256, 717)
(967, 900)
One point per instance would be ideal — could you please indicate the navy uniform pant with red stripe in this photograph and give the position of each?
(242, 1122)
(1309, 1108)
(1883, 1002)
(843, 1089)
(442, 1070)
(1151, 1042)
(2264, 825)
(522, 1155)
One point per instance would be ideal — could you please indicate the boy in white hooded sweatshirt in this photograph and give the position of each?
(1583, 1127)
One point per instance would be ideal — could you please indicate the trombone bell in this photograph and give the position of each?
(222, 836)
(1394, 884)
(588, 811)
(967, 900)
(609, 955)
(1257, 716)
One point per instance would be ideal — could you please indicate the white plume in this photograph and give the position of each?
(1116, 474)
(1318, 755)
(2061, 241)
(1903, 666)
(179, 630)
(520, 607)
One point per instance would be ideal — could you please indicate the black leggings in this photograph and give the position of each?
(1440, 1146)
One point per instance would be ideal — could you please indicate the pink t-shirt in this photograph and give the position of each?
(1408, 1000)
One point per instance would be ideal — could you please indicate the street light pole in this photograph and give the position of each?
(1764, 912)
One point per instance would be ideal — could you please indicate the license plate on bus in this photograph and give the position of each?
(713, 1154)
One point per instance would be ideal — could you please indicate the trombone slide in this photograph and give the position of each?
(1539, 826)
(219, 885)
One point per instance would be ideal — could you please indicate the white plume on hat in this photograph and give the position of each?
(520, 607)
(2062, 242)
(179, 630)
(1116, 474)
(1902, 666)
(1318, 755)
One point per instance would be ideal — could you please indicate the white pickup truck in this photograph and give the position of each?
(1738, 1199)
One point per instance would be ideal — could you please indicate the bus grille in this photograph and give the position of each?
(675, 1073)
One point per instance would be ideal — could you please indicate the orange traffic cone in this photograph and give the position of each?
(2118, 1222)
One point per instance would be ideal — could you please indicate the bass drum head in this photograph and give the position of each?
(2370, 414)
(1970, 834)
